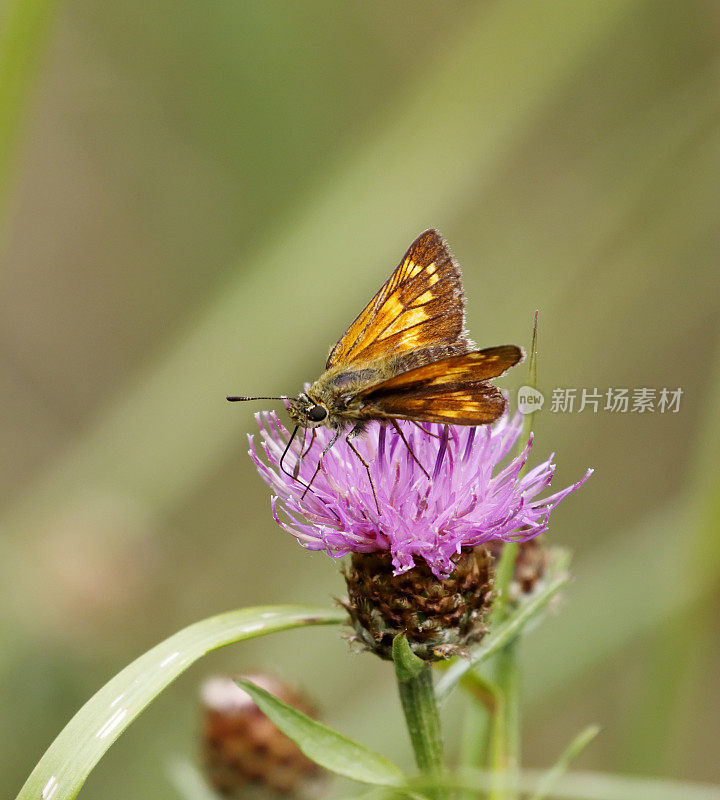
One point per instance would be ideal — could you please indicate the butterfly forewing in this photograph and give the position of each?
(419, 306)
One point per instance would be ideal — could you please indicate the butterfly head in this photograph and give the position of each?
(306, 412)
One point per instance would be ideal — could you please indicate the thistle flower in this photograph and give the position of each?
(469, 498)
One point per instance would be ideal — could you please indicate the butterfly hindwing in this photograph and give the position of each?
(420, 305)
(452, 390)
(472, 404)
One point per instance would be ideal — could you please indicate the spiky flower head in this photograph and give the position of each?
(442, 491)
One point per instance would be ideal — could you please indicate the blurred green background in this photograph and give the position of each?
(197, 198)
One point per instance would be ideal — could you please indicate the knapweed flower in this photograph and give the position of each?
(458, 489)
(422, 535)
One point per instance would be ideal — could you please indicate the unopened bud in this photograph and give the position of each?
(242, 747)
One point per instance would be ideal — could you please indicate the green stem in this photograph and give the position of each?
(491, 737)
(417, 696)
(480, 714)
(504, 750)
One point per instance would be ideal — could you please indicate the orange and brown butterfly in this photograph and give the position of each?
(407, 356)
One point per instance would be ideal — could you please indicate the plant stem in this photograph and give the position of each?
(504, 751)
(417, 696)
(418, 702)
(478, 723)
(504, 756)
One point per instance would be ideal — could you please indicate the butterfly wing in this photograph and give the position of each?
(420, 305)
(453, 390)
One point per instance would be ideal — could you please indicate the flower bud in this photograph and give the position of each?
(530, 565)
(242, 747)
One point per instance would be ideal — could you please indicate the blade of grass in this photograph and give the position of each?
(525, 613)
(63, 769)
(487, 703)
(561, 766)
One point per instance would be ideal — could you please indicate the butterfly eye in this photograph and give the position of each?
(316, 413)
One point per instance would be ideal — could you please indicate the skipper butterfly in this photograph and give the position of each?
(407, 356)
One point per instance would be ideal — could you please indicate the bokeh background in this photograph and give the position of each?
(196, 198)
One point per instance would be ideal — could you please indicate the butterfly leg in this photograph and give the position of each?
(424, 430)
(303, 451)
(312, 441)
(296, 468)
(398, 429)
(285, 452)
(319, 464)
(353, 433)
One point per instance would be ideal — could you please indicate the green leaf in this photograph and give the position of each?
(527, 611)
(323, 745)
(561, 766)
(63, 769)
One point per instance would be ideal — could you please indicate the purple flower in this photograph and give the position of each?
(468, 500)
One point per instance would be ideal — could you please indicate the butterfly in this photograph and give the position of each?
(407, 356)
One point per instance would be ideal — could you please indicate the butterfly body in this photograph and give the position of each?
(407, 355)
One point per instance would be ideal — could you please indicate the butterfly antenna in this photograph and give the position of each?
(239, 398)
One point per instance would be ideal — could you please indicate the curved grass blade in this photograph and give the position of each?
(561, 766)
(508, 630)
(325, 746)
(61, 772)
